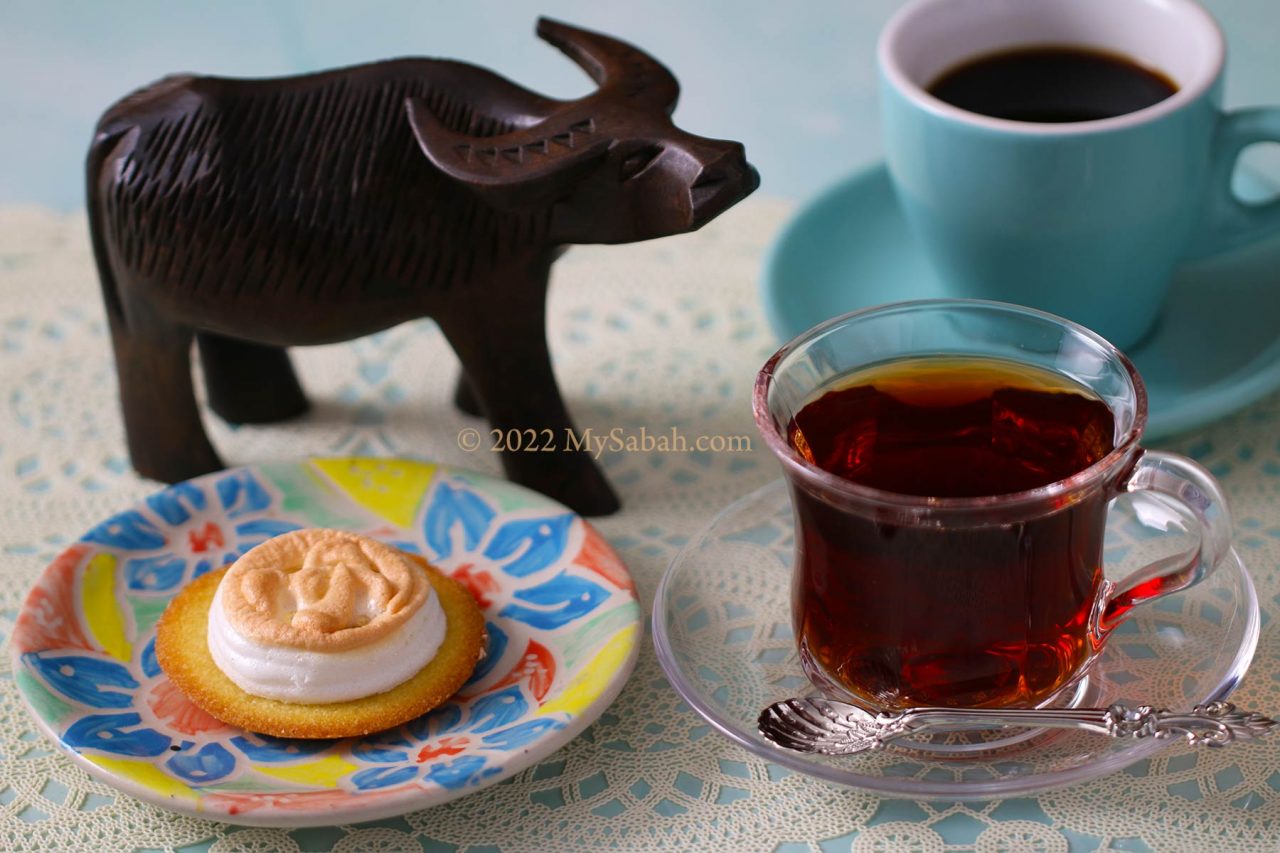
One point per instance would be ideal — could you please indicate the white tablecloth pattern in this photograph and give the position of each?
(655, 335)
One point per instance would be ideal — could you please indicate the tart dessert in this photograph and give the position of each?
(320, 634)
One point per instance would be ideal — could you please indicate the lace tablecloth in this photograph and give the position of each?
(655, 335)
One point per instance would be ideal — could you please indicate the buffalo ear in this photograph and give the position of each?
(526, 168)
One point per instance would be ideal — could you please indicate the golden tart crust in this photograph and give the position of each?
(182, 651)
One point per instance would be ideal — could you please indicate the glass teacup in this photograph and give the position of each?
(902, 600)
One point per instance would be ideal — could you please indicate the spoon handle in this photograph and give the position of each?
(838, 728)
(1212, 724)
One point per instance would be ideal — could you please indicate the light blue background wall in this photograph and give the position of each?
(793, 80)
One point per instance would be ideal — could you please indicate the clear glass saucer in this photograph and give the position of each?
(722, 628)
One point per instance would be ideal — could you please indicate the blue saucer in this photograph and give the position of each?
(1216, 348)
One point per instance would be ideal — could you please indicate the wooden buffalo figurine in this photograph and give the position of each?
(254, 215)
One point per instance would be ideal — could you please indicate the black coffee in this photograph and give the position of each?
(1052, 84)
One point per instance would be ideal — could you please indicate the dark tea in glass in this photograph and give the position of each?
(989, 614)
(951, 463)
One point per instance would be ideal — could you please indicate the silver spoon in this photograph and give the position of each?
(838, 728)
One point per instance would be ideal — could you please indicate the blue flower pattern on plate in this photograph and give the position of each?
(454, 506)
(187, 509)
(537, 541)
(500, 717)
(117, 734)
(561, 600)
(83, 679)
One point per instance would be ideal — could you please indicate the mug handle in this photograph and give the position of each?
(1195, 488)
(1230, 222)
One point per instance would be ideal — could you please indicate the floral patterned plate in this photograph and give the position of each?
(562, 617)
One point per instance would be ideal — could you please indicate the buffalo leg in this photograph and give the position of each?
(517, 390)
(162, 424)
(249, 383)
(464, 397)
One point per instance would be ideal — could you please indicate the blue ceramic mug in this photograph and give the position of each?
(1082, 219)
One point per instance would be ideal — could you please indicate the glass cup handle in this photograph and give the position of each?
(1195, 488)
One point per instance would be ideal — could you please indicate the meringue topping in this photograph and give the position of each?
(321, 590)
(318, 616)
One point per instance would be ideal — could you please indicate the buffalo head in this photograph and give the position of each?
(612, 166)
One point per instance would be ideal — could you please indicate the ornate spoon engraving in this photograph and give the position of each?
(837, 728)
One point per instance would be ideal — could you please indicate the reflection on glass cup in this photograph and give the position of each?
(967, 598)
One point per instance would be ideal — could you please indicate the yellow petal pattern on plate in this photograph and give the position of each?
(592, 680)
(101, 611)
(390, 488)
(324, 773)
(145, 774)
